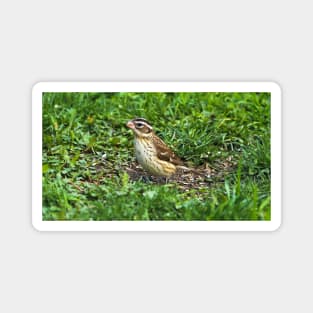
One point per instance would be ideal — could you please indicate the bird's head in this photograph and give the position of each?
(140, 126)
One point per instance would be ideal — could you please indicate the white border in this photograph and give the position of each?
(271, 87)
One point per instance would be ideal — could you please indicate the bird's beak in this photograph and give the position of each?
(130, 125)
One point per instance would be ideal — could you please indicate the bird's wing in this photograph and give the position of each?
(164, 153)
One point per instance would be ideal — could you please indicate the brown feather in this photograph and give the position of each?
(164, 153)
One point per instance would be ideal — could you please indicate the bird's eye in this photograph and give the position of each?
(139, 125)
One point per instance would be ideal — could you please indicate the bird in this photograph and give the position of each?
(151, 152)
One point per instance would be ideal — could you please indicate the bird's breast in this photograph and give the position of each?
(147, 157)
(144, 151)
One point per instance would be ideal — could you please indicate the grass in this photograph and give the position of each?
(87, 150)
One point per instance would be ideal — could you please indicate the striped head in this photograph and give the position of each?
(141, 127)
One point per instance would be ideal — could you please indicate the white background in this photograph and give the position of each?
(160, 40)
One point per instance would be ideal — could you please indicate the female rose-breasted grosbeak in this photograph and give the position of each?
(151, 152)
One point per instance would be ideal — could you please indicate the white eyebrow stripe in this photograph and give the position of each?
(143, 124)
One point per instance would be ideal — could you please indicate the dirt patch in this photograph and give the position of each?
(201, 177)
